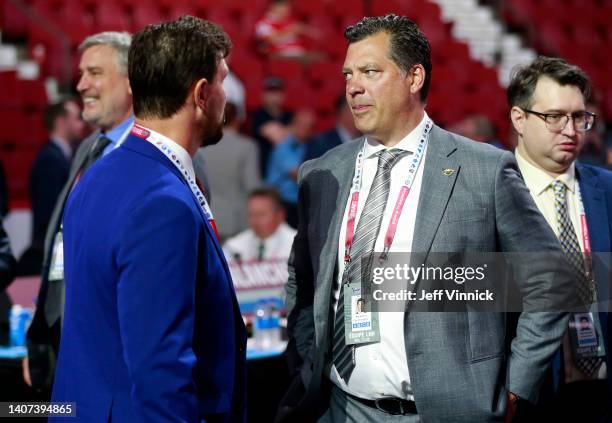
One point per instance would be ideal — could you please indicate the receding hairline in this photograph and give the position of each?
(118, 41)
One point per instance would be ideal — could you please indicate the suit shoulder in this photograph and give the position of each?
(331, 157)
(604, 174)
(473, 147)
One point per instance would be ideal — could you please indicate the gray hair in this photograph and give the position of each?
(119, 41)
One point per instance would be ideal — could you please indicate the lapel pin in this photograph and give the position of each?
(448, 172)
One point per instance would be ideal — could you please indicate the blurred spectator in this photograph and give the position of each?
(268, 236)
(287, 157)
(594, 150)
(234, 92)
(233, 171)
(279, 35)
(343, 131)
(3, 193)
(7, 272)
(272, 110)
(478, 128)
(51, 168)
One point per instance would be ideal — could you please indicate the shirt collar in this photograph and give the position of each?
(177, 149)
(408, 143)
(115, 134)
(538, 181)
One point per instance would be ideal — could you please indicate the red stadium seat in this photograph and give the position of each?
(144, 14)
(286, 69)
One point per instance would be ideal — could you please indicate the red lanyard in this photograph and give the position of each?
(399, 203)
(584, 229)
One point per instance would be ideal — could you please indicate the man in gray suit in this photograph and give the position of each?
(464, 197)
(233, 172)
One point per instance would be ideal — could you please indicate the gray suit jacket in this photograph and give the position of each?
(459, 363)
(233, 172)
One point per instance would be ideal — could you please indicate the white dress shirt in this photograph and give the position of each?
(382, 368)
(540, 187)
(245, 245)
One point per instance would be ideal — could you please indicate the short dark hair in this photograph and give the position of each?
(166, 59)
(55, 111)
(268, 192)
(525, 78)
(408, 45)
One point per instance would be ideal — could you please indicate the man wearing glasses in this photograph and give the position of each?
(547, 100)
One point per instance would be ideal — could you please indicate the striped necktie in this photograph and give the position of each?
(363, 245)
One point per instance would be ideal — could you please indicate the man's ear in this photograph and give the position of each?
(517, 116)
(418, 78)
(200, 93)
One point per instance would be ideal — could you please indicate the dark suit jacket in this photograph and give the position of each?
(152, 331)
(43, 336)
(48, 176)
(322, 143)
(7, 272)
(596, 189)
(460, 367)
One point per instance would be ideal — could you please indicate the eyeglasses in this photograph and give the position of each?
(583, 121)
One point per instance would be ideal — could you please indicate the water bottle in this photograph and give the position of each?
(266, 327)
(19, 320)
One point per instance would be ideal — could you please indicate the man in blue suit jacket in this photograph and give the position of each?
(547, 100)
(152, 331)
(343, 131)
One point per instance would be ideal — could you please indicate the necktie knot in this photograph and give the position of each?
(559, 188)
(388, 158)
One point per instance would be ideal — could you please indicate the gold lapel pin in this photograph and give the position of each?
(448, 172)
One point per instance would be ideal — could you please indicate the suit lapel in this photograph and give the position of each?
(342, 171)
(436, 189)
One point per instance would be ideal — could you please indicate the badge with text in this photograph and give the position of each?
(585, 336)
(360, 320)
(56, 271)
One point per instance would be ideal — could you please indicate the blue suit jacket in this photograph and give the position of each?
(322, 143)
(596, 189)
(152, 331)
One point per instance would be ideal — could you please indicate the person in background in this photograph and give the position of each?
(594, 150)
(152, 330)
(280, 36)
(287, 157)
(343, 131)
(272, 110)
(268, 236)
(233, 172)
(551, 117)
(7, 273)
(49, 174)
(478, 128)
(235, 91)
(3, 193)
(107, 104)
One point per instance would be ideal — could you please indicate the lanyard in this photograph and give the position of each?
(399, 203)
(584, 229)
(161, 144)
